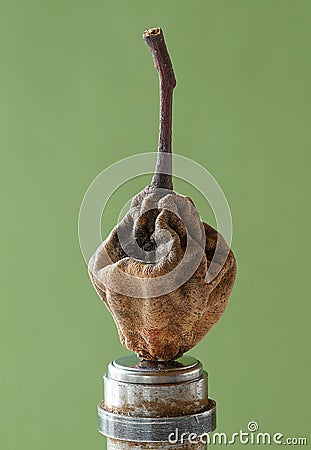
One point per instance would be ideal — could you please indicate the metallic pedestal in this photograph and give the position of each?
(154, 405)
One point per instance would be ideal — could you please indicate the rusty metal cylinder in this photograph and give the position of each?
(154, 405)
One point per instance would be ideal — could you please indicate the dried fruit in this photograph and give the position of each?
(164, 275)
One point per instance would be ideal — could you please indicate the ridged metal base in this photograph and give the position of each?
(156, 405)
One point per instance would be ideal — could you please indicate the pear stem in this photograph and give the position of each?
(163, 171)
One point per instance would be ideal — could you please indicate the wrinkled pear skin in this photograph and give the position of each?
(164, 327)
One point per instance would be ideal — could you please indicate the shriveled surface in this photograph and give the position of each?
(161, 318)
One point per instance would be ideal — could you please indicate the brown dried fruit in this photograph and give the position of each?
(164, 275)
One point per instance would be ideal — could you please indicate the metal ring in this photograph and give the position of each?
(155, 429)
(130, 369)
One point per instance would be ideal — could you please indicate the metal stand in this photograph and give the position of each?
(154, 405)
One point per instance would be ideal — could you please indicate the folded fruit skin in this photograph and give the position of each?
(164, 275)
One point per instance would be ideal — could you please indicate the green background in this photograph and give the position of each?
(79, 92)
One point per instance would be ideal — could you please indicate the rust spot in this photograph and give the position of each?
(155, 408)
